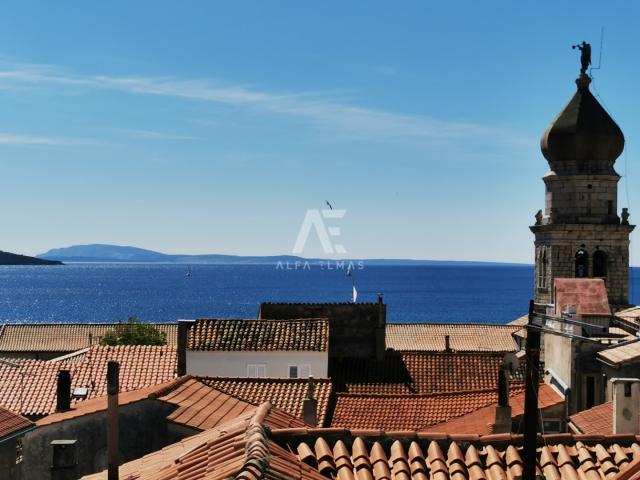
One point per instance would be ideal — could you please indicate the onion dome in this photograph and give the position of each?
(583, 139)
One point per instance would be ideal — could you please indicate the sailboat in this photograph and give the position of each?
(188, 274)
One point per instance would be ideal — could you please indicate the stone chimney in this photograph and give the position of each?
(310, 406)
(502, 423)
(64, 460)
(63, 391)
(183, 332)
(381, 345)
(626, 405)
(447, 343)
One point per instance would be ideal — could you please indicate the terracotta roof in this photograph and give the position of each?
(430, 337)
(311, 334)
(12, 423)
(286, 394)
(589, 295)
(626, 353)
(631, 314)
(418, 412)
(239, 449)
(99, 404)
(420, 372)
(36, 380)
(410, 455)
(147, 465)
(594, 421)
(245, 449)
(62, 337)
(481, 421)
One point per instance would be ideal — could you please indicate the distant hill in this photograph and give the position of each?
(7, 258)
(99, 253)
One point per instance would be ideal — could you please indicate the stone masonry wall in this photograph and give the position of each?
(562, 242)
(355, 329)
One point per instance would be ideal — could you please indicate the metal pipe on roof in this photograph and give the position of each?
(113, 384)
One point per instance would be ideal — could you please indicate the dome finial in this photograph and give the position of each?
(585, 56)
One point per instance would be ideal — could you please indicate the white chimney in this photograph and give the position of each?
(626, 405)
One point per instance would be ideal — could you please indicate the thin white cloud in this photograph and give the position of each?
(153, 135)
(331, 114)
(7, 138)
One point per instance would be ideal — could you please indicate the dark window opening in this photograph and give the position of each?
(591, 392)
(627, 389)
(609, 207)
(582, 264)
(599, 264)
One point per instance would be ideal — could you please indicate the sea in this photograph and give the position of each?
(78, 293)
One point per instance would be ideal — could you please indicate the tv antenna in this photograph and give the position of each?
(600, 54)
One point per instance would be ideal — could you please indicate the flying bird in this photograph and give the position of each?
(328, 204)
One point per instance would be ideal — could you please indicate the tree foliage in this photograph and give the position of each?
(134, 332)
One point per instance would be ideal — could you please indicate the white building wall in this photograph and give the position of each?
(235, 364)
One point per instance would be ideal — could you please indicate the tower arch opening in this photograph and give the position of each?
(599, 264)
(582, 264)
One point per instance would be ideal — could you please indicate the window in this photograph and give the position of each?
(256, 370)
(582, 264)
(551, 426)
(542, 269)
(591, 392)
(627, 389)
(300, 371)
(599, 264)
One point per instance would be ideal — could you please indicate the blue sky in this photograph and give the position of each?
(211, 127)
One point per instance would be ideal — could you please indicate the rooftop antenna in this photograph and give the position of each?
(600, 54)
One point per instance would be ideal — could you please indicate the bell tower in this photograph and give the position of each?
(580, 233)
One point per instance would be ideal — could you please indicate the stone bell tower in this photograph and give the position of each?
(580, 233)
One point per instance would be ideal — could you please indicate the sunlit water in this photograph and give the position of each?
(109, 292)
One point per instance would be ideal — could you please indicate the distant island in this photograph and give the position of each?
(99, 253)
(7, 258)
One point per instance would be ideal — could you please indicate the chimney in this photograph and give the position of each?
(502, 422)
(381, 345)
(113, 385)
(447, 343)
(183, 332)
(64, 461)
(626, 405)
(63, 391)
(310, 406)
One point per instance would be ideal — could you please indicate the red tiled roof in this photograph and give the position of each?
(238, 449)
(594, 421)
(430, 337)
(12, 423)
(63, 337)
(589, 295)
(410, 455)
(31, 389)
(626, 353)
(245, 449)
(99, 404)
(481, 421)
(631, 314)
(286, 394)
(402, 412)
(310, 334)
(420, 372)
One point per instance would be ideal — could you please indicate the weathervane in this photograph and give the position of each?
(585, 56)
